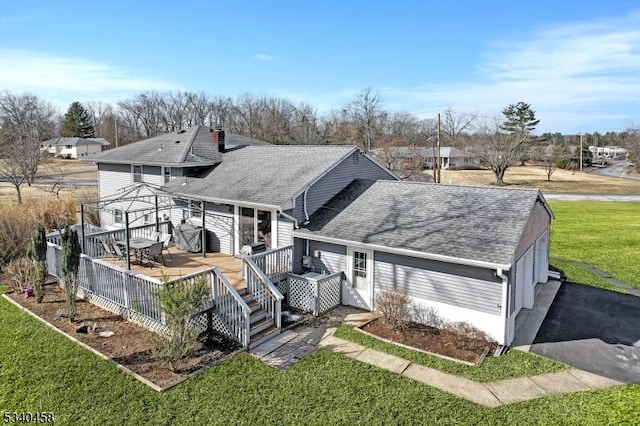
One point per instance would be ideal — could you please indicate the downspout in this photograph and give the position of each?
(505, 301)
(295, 221)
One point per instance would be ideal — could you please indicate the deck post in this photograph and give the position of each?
(204, 231)
(157, 217)
(126, 234)
(82, 228)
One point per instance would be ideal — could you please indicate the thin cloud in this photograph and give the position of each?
(573, 75)
(22, 70)
(4, 20)
(265, 58)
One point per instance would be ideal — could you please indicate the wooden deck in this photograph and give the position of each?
(181, 263)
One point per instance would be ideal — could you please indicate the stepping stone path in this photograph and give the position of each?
(291, 346)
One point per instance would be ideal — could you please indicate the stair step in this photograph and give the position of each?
(261, 325)
(263, 336)
(254, 305)
(258, 315)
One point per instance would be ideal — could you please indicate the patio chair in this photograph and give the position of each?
(108, 249)
(166, 239)
(119, 253)
(154, 254)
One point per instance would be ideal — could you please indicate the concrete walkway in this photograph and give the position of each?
(293, 345)
(489, 394)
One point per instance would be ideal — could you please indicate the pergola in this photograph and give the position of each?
(154, 201)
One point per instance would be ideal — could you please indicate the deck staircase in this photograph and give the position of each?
(262, 325)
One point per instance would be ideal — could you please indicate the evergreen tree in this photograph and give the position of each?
(77, 122)
(520, 119)
(37, 252)
(70, 266)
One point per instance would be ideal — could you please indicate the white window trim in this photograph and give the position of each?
(164, 170)
(115, 217)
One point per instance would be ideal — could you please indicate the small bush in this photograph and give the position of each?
(427, 315)
(467, 330)
(17, 223)
(178, 301)
(395, 308)
(19, 274)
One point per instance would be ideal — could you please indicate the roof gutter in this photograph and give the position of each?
(295, 221)
(405, 252)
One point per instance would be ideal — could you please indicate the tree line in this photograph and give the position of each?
(499, 142)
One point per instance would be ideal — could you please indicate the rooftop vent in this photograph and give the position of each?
(181, 131)
(177, 141)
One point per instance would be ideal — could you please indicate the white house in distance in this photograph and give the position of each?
(608, 152)
(75, 147)
(475, 254)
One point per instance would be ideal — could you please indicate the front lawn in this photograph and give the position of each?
(41, 370)
(601, 233)
(512, 364)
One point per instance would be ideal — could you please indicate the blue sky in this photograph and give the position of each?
(576, 62)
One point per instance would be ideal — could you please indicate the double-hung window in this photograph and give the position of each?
(137, 173)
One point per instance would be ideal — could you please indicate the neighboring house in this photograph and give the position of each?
(608, 152)
(475, 254)
(426, 157)
(75, 147)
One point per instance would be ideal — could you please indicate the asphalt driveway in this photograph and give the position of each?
(594, 330)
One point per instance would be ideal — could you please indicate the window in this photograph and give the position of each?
(137, 173)
(166, 173)
(117, 216)
(146, 219)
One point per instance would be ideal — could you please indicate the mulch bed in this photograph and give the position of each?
(442, 341)
(131, 345)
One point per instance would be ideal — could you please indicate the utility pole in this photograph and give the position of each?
(438, 142)
(580, 151)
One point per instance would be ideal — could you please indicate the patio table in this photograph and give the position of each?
(136, 244)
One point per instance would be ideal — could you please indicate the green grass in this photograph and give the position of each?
(512, 364)
(577, 274)
(601, 233)
(41, 370)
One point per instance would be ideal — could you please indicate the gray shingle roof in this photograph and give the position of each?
(268, 175)
(192, 146)
(474, 223)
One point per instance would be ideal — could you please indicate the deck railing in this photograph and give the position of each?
(275, 263)
(127, 293)
(231, 308)
(93, 246)
(259, 284)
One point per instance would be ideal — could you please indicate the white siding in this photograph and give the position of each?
(285, 232)
(219, 223)
(457, 285)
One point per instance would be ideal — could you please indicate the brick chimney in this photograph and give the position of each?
(217, 135)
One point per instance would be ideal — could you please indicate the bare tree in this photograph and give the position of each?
(496, 149)
(454, 125)
(100, 112)
(26, 122)
(366, 111)
(404, 161)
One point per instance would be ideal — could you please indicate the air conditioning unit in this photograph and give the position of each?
(249, 249)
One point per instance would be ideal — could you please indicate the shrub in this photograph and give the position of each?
(19, 274)
(15, 230)
(70, 265)
(427, 315)
(17, 223)
(178, 301)
(395, 308)
(467, 330)
(37, 252)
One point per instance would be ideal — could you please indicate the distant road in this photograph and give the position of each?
(591, 197)
(619, 169)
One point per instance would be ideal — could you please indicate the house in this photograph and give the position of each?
(474, 254)
(450, 157)
(75, 147)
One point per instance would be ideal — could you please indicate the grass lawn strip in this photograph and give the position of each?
(42, 371)
(577, 274)
(513, 364)
(601, 233)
